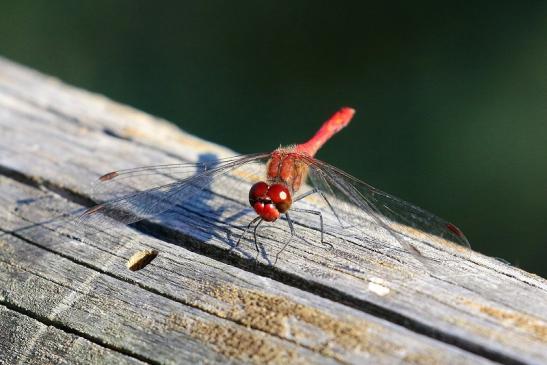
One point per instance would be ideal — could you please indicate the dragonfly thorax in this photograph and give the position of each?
(270, 201)
(289, 167)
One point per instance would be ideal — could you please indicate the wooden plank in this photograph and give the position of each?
(63, 138)
(333, 330)
(24, 340)
(145, 324)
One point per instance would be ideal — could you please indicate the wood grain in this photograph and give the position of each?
(25, 340)
(200, 301)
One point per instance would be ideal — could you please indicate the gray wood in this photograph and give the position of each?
(184, 277)
(149, 326)
(59, 138)
(25, 340)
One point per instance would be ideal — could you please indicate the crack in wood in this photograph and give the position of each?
(147, 288)
(62, 327)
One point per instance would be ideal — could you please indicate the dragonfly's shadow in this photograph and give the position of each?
(197, 219)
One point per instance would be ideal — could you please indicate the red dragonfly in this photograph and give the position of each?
(331, 195)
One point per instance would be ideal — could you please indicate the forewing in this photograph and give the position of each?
(145, 192)
(122, 183)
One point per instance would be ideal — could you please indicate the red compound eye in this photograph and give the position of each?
(258, 192)
(280, 196)
(268, 212)
(269, 201)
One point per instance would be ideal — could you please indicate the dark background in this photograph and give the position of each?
(451, 98)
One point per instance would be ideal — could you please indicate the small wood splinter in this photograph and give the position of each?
(140, 259)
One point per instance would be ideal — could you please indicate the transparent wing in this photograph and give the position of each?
(135, 194)
(354, 203)
(203, 189)
(121, 183)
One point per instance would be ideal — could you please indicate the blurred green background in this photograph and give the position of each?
(451, 97)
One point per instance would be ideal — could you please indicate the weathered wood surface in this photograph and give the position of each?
(199, 302)
(24, 340)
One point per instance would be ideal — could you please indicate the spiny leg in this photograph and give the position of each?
(245, 232)
(317, 191)
(413, 250)
(308, 193)
(291, 227)
(255, 240)
(320, 223)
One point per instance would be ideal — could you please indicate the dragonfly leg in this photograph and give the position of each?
(255, 239)
(320, 223)
(245, 232)
(307, 193)
(291, 227)
(317, 191)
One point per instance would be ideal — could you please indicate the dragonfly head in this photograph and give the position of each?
(270, 201)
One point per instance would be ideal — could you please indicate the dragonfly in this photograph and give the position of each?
(286, 181)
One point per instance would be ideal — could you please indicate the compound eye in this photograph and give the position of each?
(269, 213)
(280, 196)
(257, 191)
